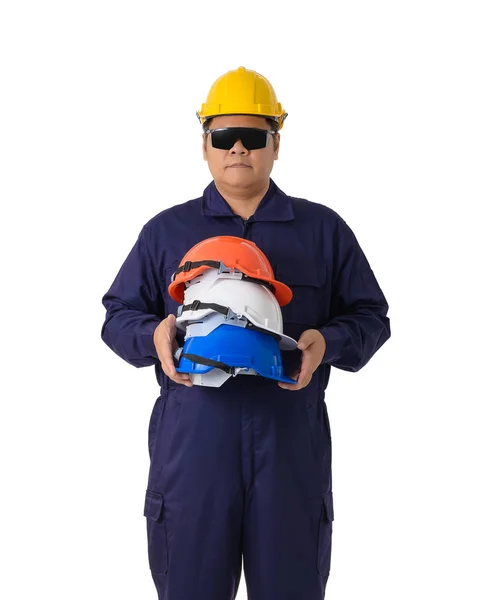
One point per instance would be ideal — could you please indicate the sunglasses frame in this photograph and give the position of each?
(270, 131)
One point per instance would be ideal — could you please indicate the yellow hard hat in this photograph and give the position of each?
(242, 92)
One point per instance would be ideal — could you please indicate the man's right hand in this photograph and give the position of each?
(164, 338)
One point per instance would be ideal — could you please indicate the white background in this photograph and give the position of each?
(389, 125)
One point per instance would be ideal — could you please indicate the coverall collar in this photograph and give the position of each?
(274, 206)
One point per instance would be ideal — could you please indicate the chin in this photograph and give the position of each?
(235, 172)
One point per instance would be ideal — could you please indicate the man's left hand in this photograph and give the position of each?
(313, 346)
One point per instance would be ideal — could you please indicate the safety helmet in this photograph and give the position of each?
(235, 302)
(226, 254)
(242, 92)
(233, 351)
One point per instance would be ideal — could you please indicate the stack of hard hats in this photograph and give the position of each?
(230, 311)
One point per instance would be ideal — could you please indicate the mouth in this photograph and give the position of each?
(239, 166)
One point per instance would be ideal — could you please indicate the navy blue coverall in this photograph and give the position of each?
(243, 471)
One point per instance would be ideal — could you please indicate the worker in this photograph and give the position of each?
(242, 472)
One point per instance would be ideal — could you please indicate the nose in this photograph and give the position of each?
(239, 148)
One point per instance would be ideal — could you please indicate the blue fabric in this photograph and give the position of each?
(244, 470)
(235, 347)
(311, 249)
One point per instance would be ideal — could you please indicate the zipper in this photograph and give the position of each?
(245, 223)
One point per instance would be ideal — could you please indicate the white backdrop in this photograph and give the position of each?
(389, 125)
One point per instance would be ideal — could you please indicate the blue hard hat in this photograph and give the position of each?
(228, 347)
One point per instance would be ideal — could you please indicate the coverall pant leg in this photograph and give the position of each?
(240, 472)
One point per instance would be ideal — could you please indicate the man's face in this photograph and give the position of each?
(259, 162)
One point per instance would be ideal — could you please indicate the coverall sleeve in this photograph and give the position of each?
(134, 308)
(359, 325)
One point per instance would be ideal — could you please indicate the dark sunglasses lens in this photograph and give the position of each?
(252, 139)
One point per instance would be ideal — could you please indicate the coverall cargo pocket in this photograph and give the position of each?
(156, 532)
(325, 535)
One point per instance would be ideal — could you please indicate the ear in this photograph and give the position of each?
(203, 146)
(276, 146)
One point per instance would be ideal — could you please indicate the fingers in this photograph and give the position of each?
(296, 373)
(170, 371)
(304, 376)
(166, 345)
(308, 337)
(181, 378)
(301, 383)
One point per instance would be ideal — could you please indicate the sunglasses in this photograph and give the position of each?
(251, 137)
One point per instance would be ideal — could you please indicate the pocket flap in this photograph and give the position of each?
(153, 505)
(328, 506)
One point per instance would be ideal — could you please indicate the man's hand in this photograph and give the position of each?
(313, 346)
(164, 338)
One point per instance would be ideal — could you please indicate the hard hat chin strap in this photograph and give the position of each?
(201, 360)
(221, 268)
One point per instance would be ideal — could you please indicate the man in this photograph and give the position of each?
(244, 470)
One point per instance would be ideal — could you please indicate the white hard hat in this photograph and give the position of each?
(241, 302)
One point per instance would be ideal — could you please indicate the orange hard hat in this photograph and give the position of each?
(230, 252)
